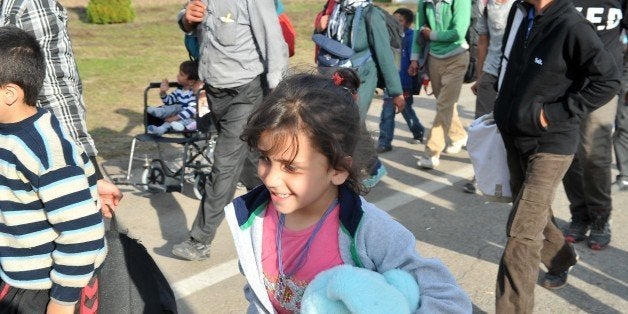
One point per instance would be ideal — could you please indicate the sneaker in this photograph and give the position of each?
(156, 130)
(469, 187)
(576, 231)
(191, 250)
(456, 147)
(177, 126)
(428, 162)
(600, 235)
(553, 282)
(622, 182)
(383, 149)
(374, 179)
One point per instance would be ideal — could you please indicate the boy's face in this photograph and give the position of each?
(402, 20)
(12, 106)
(183, 80)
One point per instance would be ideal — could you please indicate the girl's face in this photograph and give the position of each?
(299, 181)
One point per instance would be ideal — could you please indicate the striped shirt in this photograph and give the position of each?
(51, 231)
(62, 92)
(185, 98)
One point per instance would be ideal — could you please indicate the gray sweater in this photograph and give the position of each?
(239, 40)
(368, 238)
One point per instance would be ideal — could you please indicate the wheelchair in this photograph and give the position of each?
(162, 175)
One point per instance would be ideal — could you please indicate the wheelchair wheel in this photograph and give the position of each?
(199, 184)
(154, 179)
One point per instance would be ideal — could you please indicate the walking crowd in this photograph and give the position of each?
(549, 72)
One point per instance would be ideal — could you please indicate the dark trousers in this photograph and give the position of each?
(487, 94)
(16, 301)
(533, 236)
(588, 180)
(233, 160)
(620, 138)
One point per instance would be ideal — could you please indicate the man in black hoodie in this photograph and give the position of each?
(588, 180)
(554, 71)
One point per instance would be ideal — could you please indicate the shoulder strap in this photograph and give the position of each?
(512, 33)
(356, 25)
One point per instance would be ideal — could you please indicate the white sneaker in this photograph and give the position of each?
(177, 126)
(456, 147)
(428, 162)
(156, 130)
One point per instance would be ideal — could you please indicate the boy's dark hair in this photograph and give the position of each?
(190, 68)
(325, 111)
(21, 62)
(407, 14)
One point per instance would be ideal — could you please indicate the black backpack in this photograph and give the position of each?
(395, 30)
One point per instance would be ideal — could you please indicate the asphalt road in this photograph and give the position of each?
(465, 231)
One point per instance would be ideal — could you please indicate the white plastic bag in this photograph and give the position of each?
(488, 156)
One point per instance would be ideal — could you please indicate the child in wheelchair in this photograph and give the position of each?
(178, 111)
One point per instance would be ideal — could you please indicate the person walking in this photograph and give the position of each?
(373, 58)
(554, 71)
(62, 93)
(241, 41)
(308, 216)
(588, 180)
(387, 119)
(490, 21)
(443, 24)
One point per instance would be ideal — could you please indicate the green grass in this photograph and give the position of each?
(117, 61)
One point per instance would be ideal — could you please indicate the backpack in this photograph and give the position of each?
(395, 33)
(472, 38)
(395, 30)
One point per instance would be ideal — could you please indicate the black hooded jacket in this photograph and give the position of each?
(562, 68)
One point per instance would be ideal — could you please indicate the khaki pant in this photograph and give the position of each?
(446, 76)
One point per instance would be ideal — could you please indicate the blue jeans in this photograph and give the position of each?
(387, 121)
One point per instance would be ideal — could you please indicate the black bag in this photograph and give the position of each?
(472, 38)
(129, 279)
(395, 30)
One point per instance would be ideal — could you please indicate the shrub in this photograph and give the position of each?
(110, 11)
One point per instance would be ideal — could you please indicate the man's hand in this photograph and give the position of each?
(399, 102)
(474, 88)
(194, 13)
(56, 308)
(413, 69)
(425, 32)
(544, 122)
(109, 196)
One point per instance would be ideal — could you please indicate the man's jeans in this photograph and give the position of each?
(232, 157)
(387, 121)
(588, 180)
(533, 236)
(446, 76)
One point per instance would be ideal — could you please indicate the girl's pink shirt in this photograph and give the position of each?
(324, 253)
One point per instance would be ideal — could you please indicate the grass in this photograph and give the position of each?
(116, 62)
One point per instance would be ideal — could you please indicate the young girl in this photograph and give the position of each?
(309, 216)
